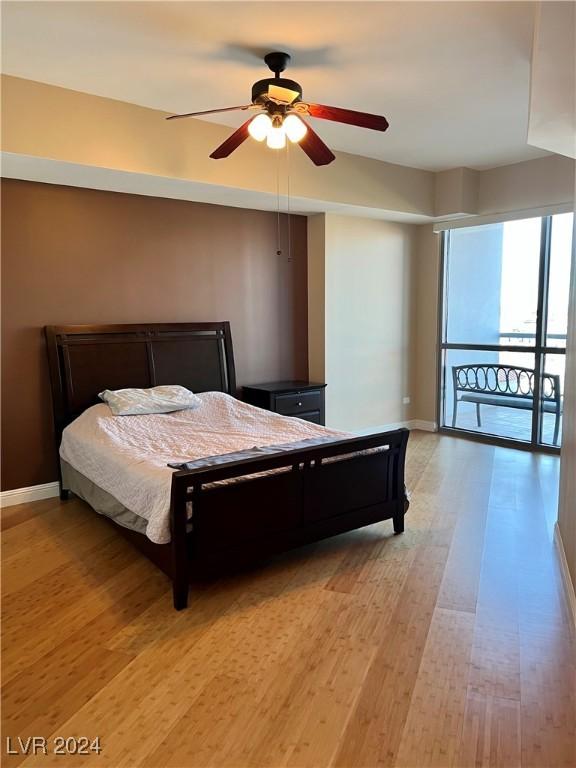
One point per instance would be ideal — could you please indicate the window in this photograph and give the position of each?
(504, 326)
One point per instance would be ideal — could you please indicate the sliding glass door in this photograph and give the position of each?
(503, 329)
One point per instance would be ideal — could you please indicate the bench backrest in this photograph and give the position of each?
(508, 380)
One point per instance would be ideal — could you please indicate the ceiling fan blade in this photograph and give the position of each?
(315, 148)
(232, 142)
(209, 112)
(349, 116)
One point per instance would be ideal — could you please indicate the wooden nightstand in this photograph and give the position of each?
(304, 399)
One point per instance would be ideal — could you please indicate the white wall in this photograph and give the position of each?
(552, 120)
(567, 506)
(523, 186)
(366, 291)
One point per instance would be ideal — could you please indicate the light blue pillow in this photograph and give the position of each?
(137, 402)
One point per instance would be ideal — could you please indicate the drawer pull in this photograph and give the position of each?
(293, 404)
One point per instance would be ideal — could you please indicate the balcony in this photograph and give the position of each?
(510, 422)
(524, 339)
(505, 422)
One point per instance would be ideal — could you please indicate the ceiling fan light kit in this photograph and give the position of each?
(278, 101)
(276, 129)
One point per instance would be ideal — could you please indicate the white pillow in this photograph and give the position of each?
(132, 402)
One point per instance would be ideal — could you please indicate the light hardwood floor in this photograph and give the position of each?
(449, 645)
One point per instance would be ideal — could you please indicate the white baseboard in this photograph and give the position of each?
(26, 495)
(426, 426)
(568, 585)
(381, 428)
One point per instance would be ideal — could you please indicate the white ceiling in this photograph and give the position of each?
(451, 77)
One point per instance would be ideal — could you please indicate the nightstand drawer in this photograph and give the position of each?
(295, 404)
(314, 416)
(304, 399)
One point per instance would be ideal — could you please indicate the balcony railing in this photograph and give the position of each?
(520, 338)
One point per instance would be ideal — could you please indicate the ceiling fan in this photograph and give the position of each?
(280, 111)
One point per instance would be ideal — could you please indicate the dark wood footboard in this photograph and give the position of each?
(308, 494)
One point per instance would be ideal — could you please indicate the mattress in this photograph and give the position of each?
(127, 457)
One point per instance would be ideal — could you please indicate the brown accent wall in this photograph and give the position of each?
(84, 256)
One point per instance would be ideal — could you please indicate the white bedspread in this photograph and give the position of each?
(127, 455)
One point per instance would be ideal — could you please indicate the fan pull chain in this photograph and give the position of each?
(278, 233)
(288, 201)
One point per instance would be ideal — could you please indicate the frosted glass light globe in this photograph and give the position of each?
(276, 137)
(259, 127)
(295, 128)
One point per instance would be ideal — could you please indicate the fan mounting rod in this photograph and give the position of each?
(277, 61)
(277, 88)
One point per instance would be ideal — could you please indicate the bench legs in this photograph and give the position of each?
(556, 428)
(455, 413)
(454, 410)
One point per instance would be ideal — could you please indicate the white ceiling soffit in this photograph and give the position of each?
(552, 123)
(451, 77)
(27, 168)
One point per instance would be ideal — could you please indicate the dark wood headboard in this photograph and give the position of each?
(85, 359)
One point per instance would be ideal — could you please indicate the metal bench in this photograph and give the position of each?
(506, 386)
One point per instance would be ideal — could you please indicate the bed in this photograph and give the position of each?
(254, 483)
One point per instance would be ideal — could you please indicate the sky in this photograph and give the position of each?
(520, 264)
(519, 284)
